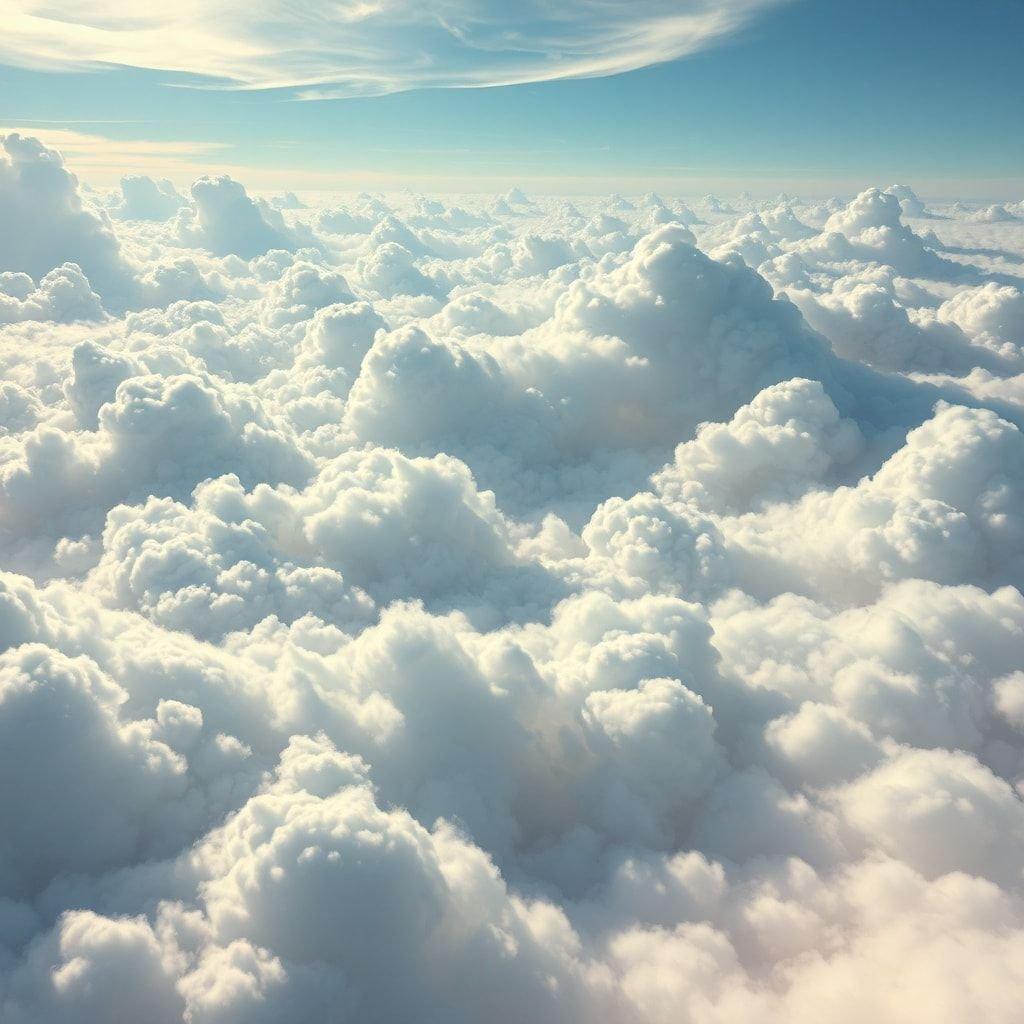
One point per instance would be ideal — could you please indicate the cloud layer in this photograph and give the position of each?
(460, 609)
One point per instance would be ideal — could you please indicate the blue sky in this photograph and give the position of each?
(815, 96)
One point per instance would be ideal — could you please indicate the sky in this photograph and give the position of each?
(817, 96)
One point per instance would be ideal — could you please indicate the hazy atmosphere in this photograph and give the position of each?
(511, 514)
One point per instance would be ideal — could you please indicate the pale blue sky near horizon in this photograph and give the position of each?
(816, 96)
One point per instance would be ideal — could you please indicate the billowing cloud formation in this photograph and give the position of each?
(64, 294)
(372, 48)
(226, 221)
(514, 611)
(46, 223)
(142, 198)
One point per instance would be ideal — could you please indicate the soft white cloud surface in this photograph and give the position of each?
(499, 609)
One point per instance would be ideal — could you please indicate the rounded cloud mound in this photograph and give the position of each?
(511, 611)
(142, 198)
(226, 221)
(46, 224)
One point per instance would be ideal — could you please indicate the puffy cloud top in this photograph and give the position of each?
(46, 224)
(226, 221)
(142, 198)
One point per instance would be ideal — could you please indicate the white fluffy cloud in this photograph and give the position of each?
(512, 610)
(226, 221)
(46, 223)
(142, 198)
(63, 294)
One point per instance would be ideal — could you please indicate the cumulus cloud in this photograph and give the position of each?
(60, 483)
(789, 439)
(142, 198)
(995, 214)
(507, 610)
(910, 201)
(47, 224)
(63, 294)
(870, 229)
(225, 220)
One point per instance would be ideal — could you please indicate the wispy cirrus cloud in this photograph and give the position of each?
(369, 47)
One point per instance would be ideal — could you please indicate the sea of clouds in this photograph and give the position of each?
(508, 609)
